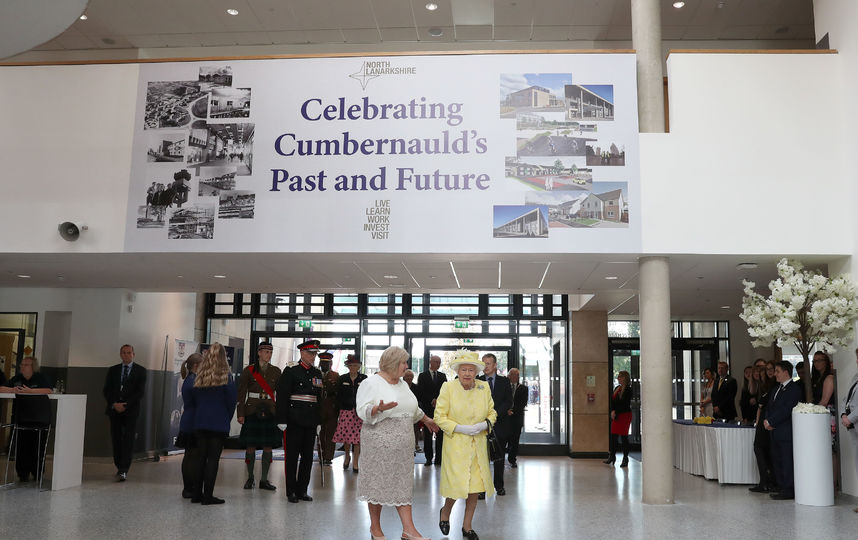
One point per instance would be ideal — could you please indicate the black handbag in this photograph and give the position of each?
(495, 452)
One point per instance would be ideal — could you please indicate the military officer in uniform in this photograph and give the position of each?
(329, 406)
(298, 393)
(256, 414)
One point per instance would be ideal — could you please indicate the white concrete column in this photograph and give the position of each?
(646, 39)
(656, 374)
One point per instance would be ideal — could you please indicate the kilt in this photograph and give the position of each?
(258, 433)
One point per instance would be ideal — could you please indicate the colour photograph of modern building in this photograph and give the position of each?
(606, 205)
(523, 93)
(563, 206)
(589, 102)
(520, 221)
(546, 144)
(548, 176)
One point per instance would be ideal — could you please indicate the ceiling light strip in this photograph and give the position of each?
(411, 275)
(544, 275)
(618, 306)
(366, 274)
(499, 274)
(453, 268)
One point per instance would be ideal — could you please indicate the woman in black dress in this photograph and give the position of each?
(621, 418)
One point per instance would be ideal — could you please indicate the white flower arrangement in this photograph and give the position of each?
(809, 408)
(805, 308)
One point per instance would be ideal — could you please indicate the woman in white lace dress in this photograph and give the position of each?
(389, 411)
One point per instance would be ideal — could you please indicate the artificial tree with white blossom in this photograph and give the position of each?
(805, 308)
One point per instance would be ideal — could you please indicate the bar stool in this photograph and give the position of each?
(32, 413)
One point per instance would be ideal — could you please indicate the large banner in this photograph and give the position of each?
(480, 153)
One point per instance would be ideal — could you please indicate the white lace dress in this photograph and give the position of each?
(386, 442)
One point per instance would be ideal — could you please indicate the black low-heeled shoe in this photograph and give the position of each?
(470, 535)
(443, 525)
(610, 460)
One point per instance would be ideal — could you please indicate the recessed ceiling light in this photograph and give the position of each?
(725, 307)
(436, 32)
(180, 277)
(678, 5)
(746, 266)
(219, 276)
(232, 11)
(611, 277)
(431, 6)
(391, 276)
(23, 276)
(84, 17)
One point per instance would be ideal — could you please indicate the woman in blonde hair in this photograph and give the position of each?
(389, 410)
(213, 398)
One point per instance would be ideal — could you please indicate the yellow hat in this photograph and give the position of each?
(466, 357)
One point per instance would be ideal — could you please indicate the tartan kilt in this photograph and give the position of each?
(256, 432)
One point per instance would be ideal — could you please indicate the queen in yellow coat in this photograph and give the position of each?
(462, 409)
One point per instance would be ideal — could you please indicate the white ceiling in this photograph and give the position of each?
(700, 285)
(147, 24)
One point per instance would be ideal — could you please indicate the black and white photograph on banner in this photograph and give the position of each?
(226, 145)
(229, 103)
(194, 222)
(215, 180)
(151, 217)
(589, 101)
(548, 174)
(520, 221)
(166, 192)
(165, 146)
(168, 103)
(236, 204)
(197, 140)
(216, 75)
(545, 144)
(523, 93)
(599, 154)
(607, 206)
(563, 206)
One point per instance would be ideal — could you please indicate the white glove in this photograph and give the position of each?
(471, 429)
(282, 427)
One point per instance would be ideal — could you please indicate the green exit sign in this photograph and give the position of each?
(468, 340)
(305, 324)
(461, 324)
(347, 340)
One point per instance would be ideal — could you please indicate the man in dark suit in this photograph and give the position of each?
(123, 391)
(778, 422)
(516, 416)
(724, 394)
(502, 396)
(428, 387)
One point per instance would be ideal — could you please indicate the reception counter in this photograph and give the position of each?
(718, 451)
(68, 439)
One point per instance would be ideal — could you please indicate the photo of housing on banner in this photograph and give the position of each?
(525, 93)
(547, 174)
(606, 206)
(165, 147)
(526, 221)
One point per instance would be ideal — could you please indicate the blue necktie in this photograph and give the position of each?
(124, 376)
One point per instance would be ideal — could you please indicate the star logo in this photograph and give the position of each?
(362, 76)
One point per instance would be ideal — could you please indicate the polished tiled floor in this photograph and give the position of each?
(547, 497)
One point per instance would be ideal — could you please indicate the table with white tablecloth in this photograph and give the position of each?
(718, 451)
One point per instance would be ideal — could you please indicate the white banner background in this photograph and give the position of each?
(420, 221)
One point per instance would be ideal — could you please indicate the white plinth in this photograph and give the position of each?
(811, 443)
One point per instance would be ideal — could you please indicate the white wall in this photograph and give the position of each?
(754, 162)
(154, 317)
(68, 156)
(837, 18)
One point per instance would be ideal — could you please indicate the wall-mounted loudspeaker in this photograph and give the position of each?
(69, 231)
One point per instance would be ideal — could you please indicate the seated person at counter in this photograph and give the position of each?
(28, 381)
